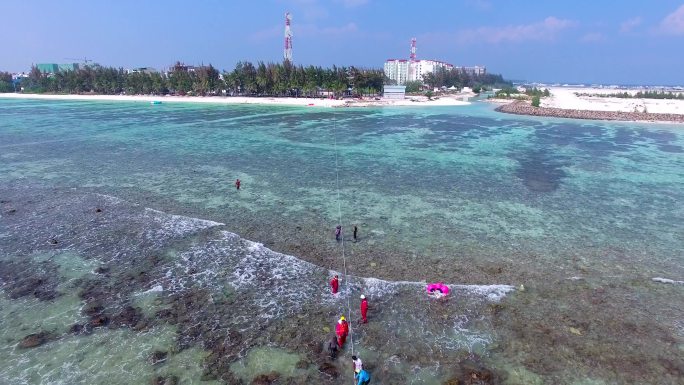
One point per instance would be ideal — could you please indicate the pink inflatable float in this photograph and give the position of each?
(432, 288)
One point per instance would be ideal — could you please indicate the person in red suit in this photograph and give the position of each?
(335, 284)
(342, 330)
(364, 309)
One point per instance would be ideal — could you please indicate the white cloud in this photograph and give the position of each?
(628, 25)
(673, 24)
(545, 30)
(593, 37)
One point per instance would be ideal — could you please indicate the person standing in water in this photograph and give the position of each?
(237, 184)
(335, 284)
(358, 365)
(363, 377)
(338, 232)
(364, 309)
(341, 330)
(356, 229)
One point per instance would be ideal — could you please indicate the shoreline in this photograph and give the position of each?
(414, 101)
(524, 108)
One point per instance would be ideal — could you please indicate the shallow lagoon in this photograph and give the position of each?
(582, 214)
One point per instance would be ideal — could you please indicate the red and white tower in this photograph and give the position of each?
(287, 54)
(413, 49)
(411, 76)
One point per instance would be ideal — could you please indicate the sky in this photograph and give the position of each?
(579, 41)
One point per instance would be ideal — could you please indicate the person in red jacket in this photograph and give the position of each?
(342, 330)
(237, 184)
(364, 309)
(335, 284)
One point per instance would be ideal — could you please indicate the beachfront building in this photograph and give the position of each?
(394, 92)
(397, 70)
(52, 68)
(402, 70)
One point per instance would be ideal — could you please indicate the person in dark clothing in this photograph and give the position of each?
(356, 229)
(333, 347)
(237, 184)
(338, 232)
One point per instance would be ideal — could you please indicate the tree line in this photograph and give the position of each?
(6, 84)
(459, 78)
(262, 79)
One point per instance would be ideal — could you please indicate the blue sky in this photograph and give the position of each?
(621, 42)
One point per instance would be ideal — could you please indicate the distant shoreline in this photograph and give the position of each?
(418, 101)
(524, 108)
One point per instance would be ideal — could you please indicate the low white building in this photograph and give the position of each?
(394, 92)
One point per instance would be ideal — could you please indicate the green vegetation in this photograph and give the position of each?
(639, 95)
(264, 79)
(459, 78)
(6, 82)
(535, 101)
(429, 94)
(413, 87)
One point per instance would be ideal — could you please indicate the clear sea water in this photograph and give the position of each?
(549, 231)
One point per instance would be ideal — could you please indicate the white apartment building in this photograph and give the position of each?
(402, 70)
(397, 70)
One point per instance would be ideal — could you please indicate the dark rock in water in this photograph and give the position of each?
(11, 211)
(161, 380)
(76, 328)
(33, 340)
(98, 210)
(93, 308)
(157, 357)
(303, 364)
(329, 369)
(102, 270)
(99, 320)
(129, 316)
(471, 373)
(53, 241)
(265, 379)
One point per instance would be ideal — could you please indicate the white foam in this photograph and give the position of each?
(667, 280)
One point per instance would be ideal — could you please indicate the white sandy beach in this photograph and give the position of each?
(565, 97)
(409, 101)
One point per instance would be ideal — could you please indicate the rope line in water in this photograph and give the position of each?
(339, 213)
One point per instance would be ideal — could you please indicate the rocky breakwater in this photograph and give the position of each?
(524, 108)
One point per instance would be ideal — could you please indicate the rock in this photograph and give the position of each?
(160, 380)
(129, 316)
(93, 308)
(98, 210)
(53, 241)
(265, 379)
(99, 320)
(11, 211)
(328, 369)
(575, 331)
(157, 357)
(302, 364)
(102, 270)
(373, 264)
(76, 328)
(33, 340)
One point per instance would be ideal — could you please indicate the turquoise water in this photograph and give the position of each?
(582, 214)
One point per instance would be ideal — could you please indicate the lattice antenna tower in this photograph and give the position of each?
(413, 49)
(287, 54)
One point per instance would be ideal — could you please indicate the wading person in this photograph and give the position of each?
(334, 284)
(364, 309)
(363, 378)
(237, 184)
(356, 229)
(357, 364)
(332, 347)
(338, 232)
(341, 330)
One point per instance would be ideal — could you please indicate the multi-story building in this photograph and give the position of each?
(397, 70)
(476, 70)
(402, 70)
(51, 68)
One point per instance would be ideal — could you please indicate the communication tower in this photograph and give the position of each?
(287, 54)
(413, 49)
